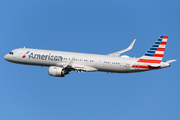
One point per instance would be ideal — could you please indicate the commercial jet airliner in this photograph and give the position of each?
(61, 63)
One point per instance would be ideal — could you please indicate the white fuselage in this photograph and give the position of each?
(61, 63)
(58, 58)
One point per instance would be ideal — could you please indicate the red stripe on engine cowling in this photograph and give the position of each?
(149, 61)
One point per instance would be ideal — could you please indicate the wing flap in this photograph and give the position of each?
(83, 68)
(78, 68)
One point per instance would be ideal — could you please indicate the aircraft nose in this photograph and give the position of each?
(6, 57)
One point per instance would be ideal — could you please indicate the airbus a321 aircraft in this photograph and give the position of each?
(61, 63)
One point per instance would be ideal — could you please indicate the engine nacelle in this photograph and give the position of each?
(57, 71)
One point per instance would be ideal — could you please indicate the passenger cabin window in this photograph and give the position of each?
(11, 53)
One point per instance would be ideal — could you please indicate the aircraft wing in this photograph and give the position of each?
(75, 67)
(81, 68)
(122, 51)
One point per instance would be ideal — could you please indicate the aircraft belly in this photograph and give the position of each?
(40, 62)
(111, 68)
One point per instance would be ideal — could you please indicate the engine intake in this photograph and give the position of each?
(57, 71)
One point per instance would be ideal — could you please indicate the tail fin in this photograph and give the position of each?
(156, 52)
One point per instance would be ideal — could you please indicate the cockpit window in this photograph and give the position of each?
(11, 53)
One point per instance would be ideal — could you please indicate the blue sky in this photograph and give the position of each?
(89, 26)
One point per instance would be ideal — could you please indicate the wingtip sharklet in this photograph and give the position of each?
(132, 44)
(118, 53)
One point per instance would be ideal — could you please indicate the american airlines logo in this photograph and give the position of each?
(45, 57)
(25, 54)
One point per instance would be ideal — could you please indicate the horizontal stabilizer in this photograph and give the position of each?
(124, 50)
(170, 61)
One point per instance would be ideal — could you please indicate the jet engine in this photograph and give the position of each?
(57, 71)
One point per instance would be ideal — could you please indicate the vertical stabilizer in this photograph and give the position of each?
(155, 53)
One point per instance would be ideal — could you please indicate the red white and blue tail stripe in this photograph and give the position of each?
(156, 52)
(153, 57)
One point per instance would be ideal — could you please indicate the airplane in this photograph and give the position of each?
(60, 63)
